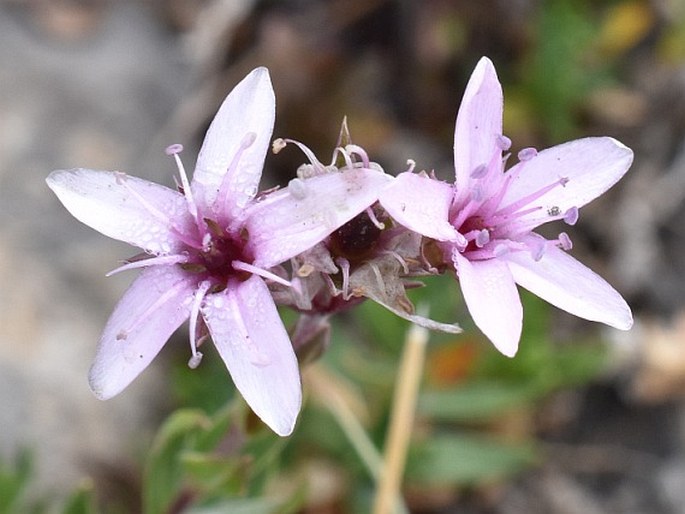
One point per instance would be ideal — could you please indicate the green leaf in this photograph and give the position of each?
(474, 402)
(461, 459)
(163, 473)
(13, 481)
(240, 506)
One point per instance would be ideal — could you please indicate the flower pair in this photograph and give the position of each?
(213, 248)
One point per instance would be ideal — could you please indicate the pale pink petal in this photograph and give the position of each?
(563, 281)
(479, 124)
(421, 204)
(126, 208)
(292, 220)
(244, 124)
(492, 299)
(149, 312)
(252, 341)
(587, 167)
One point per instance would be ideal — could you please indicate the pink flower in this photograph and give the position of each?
(485, 220)
(209, 247)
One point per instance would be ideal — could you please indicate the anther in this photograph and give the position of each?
(503, 142)
(482, 238)
(565, 241)
(527, 154)
(372, 216)
(359, 151)
(195, 360)
(571, 216)
(538, 250)
(479, 172)
(278, 145)
(173, 149)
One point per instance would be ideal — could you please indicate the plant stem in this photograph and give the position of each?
(401, 420)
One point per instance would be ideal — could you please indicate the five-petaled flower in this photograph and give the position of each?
(208, 250)
(484, 221)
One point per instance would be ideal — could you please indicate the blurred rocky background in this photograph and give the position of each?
(109, 84)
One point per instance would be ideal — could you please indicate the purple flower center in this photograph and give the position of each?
(490, 229)
(214, 261)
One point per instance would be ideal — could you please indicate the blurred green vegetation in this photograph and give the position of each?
(476, 412)
(468, 428)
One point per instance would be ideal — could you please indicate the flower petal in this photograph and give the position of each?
(479, 124)
(592, 165)
(247, 112)
(563, 281)
(126, 208)
(421, 204)
(492, 299)
(290, 221)
(252, 341)
(150, 311)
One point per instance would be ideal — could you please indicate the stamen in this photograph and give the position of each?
(175, 150)
(479, 172)
(527, 154)
(358, 150)
(278, 145)
(412, 164)
(565, 241)
(196, 357)
(344, 265)
(346, 156)
(503, 142)
(318, 167)
(537, 251)
(152, 261)
(571, 216)
(482, 238)
(400, 259)
(374, 219)
(243, 266)
(513, 207)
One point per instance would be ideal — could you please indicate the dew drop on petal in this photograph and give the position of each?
(259, 358)
(500, 250)
(129, 353)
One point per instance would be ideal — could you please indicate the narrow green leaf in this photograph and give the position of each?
(460, 459)
(163, 473)
(474, 401)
